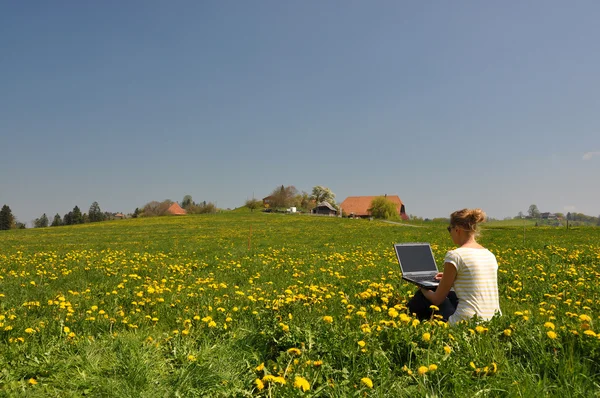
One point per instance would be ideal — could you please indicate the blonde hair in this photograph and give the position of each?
(468, 219)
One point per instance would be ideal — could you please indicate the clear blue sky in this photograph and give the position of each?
(446, 104)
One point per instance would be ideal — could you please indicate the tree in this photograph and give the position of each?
(6, 218)
(41, 222)
(303, 201)
(136, 213)
(322, 194)
(187, 201)
(154, 208)
(533, 211)
(520, 215)
(253, 204)
(381, 207)
(95, 214)
(77, 217)
(57, 222)
(68, 218)
(202, 208)
(283, 197)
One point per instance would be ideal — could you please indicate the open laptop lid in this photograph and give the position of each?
(415, 258)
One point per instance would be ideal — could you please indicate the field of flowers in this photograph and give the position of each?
(253, 304)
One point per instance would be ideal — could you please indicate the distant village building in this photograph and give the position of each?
(267, 201)
(325, 208)
(548, 216)
(176, 210)
(119, 216)
(358, 206)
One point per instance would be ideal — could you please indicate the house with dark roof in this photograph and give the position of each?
(325, 208)
(358, 206)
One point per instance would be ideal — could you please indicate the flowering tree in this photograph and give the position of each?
(322, 194)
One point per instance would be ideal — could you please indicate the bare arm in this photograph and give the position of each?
(440, 294)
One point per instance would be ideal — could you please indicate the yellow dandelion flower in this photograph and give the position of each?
(301, 383)
(280, 380)
(259, 384)
(294, 351)
(260, 367)
(551, 335)
(447, 349)
(432, 367)
(434, 307)
(362, 343)
(507, 332)
(328, 319)
(66, 329)
(422, 370)
(549, 325)
(426, 337)
(191, 358)
(317, 363)
(32, 381)
(367, 382)
(585, 318)
(590, 333)
(29, 330)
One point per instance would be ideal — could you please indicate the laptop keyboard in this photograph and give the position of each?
(424, 278)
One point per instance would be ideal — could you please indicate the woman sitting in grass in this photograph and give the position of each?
(471, 271)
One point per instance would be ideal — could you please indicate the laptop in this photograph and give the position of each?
(417, 264)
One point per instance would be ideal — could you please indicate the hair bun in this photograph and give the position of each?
(477, 216)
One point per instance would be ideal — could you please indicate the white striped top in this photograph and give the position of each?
(476, 283)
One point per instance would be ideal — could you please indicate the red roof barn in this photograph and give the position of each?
(358, 206)
(176, 210)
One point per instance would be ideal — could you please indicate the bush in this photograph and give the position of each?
(202, 208)
(381, 207)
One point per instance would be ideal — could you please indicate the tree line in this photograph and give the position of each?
(156, 209)
(282, 198)
(534, 213)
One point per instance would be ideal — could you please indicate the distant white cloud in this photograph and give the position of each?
(570, 208)
(589, 155)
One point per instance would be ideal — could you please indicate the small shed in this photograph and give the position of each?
(325, 208)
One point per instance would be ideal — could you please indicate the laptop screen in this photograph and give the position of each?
(415, 257)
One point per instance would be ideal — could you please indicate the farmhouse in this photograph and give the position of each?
(325, 208)
(548, 216)
(267, 201)
(176, 210)
(358, 206)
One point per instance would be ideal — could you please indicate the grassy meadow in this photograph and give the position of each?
(251, 304)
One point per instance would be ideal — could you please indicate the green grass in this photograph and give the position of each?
(191, 306)
(511, 223)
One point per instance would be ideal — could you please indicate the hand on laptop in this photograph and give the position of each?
(439, 276)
